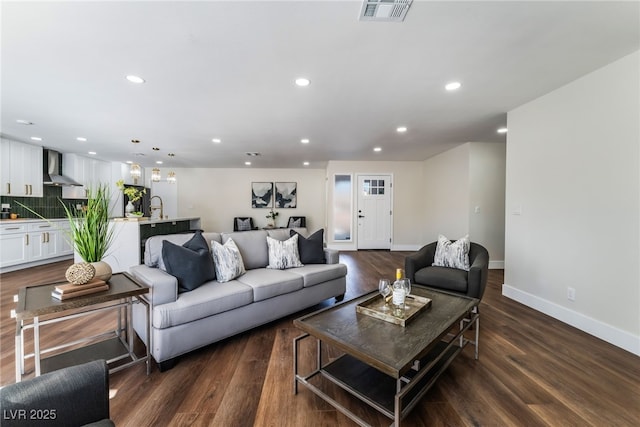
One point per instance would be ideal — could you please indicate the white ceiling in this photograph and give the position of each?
(227, 70)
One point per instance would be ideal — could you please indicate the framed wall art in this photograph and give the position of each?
(286, 195)
(262, 194)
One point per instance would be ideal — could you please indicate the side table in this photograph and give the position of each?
(36, 308)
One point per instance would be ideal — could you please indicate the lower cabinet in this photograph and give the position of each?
(27, 242)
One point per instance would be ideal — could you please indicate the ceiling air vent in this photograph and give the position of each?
(384, 10)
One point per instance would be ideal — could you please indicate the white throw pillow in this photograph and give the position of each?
(228, 260)
(283, 254)
(452, 254)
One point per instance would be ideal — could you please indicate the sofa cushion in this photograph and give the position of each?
(267, 283)
(208, 299)
(285, 233)
(452, 254)
(228, 260)
(283, 254)
(153, 246)
(190, 263)
(253, 247)
(314, 274)
(311, 249)
(452, 279)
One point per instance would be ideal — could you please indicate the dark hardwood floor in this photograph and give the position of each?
(533, 370)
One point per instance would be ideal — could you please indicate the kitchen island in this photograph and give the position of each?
(127, 249)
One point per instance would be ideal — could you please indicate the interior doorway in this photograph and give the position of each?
(374, 211)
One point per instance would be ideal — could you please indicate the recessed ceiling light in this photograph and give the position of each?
(401, 129)
(306, 163)
(252, 153)
(135, 79)
(36, 138)
(81, 139)
(93, 153)
(247, 163)
(24, 122)
(155, 148)
(135, 141)
(171, 155)
(216, 140)
(301, 81)
(158, 162)
(502, 130)
(377, 149)
(304, 140)
(129, 162)
(453, 86)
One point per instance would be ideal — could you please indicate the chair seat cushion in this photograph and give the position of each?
(451, 279)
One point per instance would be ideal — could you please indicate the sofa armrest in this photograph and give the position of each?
(421, 259)
(331, 256)
(76, 395)
(163, 287)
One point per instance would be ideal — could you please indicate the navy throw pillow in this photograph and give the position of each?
(190, 263)
(311, 249)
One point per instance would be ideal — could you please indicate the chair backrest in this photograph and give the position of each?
(297, 222)
(242, 223)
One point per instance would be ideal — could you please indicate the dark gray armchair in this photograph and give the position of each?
(419, 270)
(73, 396)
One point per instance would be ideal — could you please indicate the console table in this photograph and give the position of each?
(36, 308)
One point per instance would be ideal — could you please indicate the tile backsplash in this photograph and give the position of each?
(48, 206)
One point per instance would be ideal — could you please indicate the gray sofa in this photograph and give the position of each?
(182, 322)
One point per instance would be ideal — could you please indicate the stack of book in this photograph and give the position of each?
(68, 290)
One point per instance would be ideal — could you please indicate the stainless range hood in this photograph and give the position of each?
(52, 173)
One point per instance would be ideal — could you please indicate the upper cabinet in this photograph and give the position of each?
(21, 173)
(88, 172)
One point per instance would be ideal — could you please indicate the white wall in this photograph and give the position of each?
(573, 162)
(219, 195)
(486, 198)
(446, 194)
(408, 204)
(457, 182)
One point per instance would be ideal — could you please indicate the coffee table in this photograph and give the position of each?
(387, 366)
(36, 307)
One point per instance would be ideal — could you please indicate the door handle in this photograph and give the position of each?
(360, 216)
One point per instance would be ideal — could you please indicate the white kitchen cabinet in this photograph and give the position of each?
(13, 244)
(21, 169)
(86, 171)
(31, 242)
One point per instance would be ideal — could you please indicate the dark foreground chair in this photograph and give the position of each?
(419, 269)
(73, 396)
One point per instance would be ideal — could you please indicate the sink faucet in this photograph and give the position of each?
(154, 208)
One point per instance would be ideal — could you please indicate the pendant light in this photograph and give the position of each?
(155, 175)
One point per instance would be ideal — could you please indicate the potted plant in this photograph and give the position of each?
(89, 231)
(272, 218)
(134, 195)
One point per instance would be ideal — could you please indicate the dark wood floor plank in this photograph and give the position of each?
(533, 370)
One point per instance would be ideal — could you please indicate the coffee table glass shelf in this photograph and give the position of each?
(385, 365)
(36, 307)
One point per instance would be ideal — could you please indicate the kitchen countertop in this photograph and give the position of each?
(22, 220)
(144, 221)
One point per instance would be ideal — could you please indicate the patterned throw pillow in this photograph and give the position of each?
(243, 224)
(228, 260)
(452, 254)
(283, 255)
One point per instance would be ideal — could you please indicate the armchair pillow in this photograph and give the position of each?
(228, 260)
(452, 254)
(190, 263)
(283, 254)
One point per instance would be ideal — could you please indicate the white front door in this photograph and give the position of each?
(374, 212)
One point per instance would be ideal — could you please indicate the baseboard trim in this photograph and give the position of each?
(598, 329)
(405, 247)
(496, 265)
